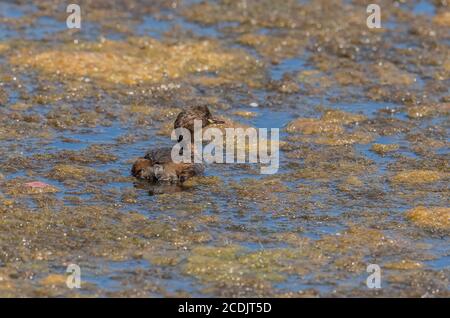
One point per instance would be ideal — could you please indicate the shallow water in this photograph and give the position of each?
(364, 160)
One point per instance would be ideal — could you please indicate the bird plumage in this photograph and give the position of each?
(157, 164)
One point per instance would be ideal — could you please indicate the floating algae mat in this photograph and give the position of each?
(363, 174)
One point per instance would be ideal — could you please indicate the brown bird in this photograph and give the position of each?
(157, 164)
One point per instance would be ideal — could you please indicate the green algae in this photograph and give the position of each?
(70, 172)
(315, 226)
(417, 176)
(313, 126)
(230, 265)
(277, 48)
(331, 129)
(432, 218)
(404, 265)
(236, 266)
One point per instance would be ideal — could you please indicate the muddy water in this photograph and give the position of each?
(364, 160)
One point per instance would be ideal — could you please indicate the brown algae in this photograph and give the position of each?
(141, 60)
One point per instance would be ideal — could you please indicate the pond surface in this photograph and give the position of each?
(364, 148)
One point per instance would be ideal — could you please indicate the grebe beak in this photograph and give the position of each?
(215, 121)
